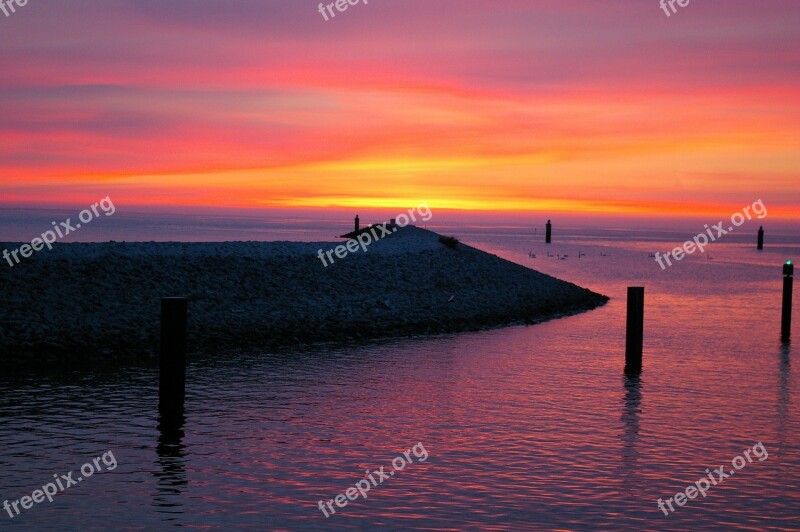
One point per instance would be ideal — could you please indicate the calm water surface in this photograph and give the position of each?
(526, 428)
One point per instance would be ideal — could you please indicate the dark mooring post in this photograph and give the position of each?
(172, 375)
(786, 312)
(761, 237)
(634, 335)
(548, 229)
(357, 224)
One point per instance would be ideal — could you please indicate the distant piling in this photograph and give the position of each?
(548, 232)
(761, 237)
(357, 224)
(172, 374)
(786, 310)
(634, 335)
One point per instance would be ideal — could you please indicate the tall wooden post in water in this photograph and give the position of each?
(634, 334)
(172, 374)
(786, 310)
(761, 237)
(548, 229)
(357, 224)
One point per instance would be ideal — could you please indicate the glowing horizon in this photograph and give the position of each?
(511, 107)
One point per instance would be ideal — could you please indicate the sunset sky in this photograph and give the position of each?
(556, 105)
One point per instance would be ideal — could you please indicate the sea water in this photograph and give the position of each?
(526, 427)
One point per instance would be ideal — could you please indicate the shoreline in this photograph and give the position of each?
(100, 302)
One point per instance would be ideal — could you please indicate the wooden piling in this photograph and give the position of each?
(172, 374)
(548, 232)
(761, 237)
(786, 309)
(634, 336)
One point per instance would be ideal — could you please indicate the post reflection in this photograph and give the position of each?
(631, 409)
(784, 382)
(171, 465)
